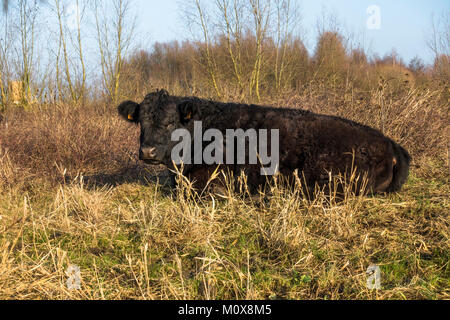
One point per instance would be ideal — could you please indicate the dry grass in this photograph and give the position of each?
(73, 193)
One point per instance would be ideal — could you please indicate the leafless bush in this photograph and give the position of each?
(48, 142)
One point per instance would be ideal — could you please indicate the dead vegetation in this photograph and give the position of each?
(72, 191)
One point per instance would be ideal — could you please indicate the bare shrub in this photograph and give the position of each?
(59, 138)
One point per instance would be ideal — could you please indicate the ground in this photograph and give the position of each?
(72, 193)
(139, 240)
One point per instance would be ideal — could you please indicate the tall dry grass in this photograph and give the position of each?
(73, 193)
(57, 141)
(133, 243)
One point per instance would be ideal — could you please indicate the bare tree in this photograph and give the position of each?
(327, 21)
(79, 46)
(240, 40)
(260, 12)
(210, 60)
(26, 23)
(76, 87)
(287, 15)
(6, 40)
(438, 40)
(230, 13)
(115, 30)
(6, 3)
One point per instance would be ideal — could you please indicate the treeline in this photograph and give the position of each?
(181, 68)
(63, 51)
(253, 51)
(241, 50)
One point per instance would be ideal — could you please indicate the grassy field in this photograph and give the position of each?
(73, 193)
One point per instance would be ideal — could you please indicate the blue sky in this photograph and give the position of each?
(404, 24)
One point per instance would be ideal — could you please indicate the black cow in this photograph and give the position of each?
(316, 146)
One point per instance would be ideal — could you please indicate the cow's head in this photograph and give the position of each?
(158, 115)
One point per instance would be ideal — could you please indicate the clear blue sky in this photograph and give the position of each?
(404, 23)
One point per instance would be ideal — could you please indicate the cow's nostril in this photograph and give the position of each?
(147, 153)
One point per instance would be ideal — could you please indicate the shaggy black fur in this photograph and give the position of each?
(310, 143)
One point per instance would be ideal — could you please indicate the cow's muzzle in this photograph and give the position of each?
(148, 155)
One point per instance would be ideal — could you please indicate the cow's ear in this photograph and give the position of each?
(186, 111)
(129, 110)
